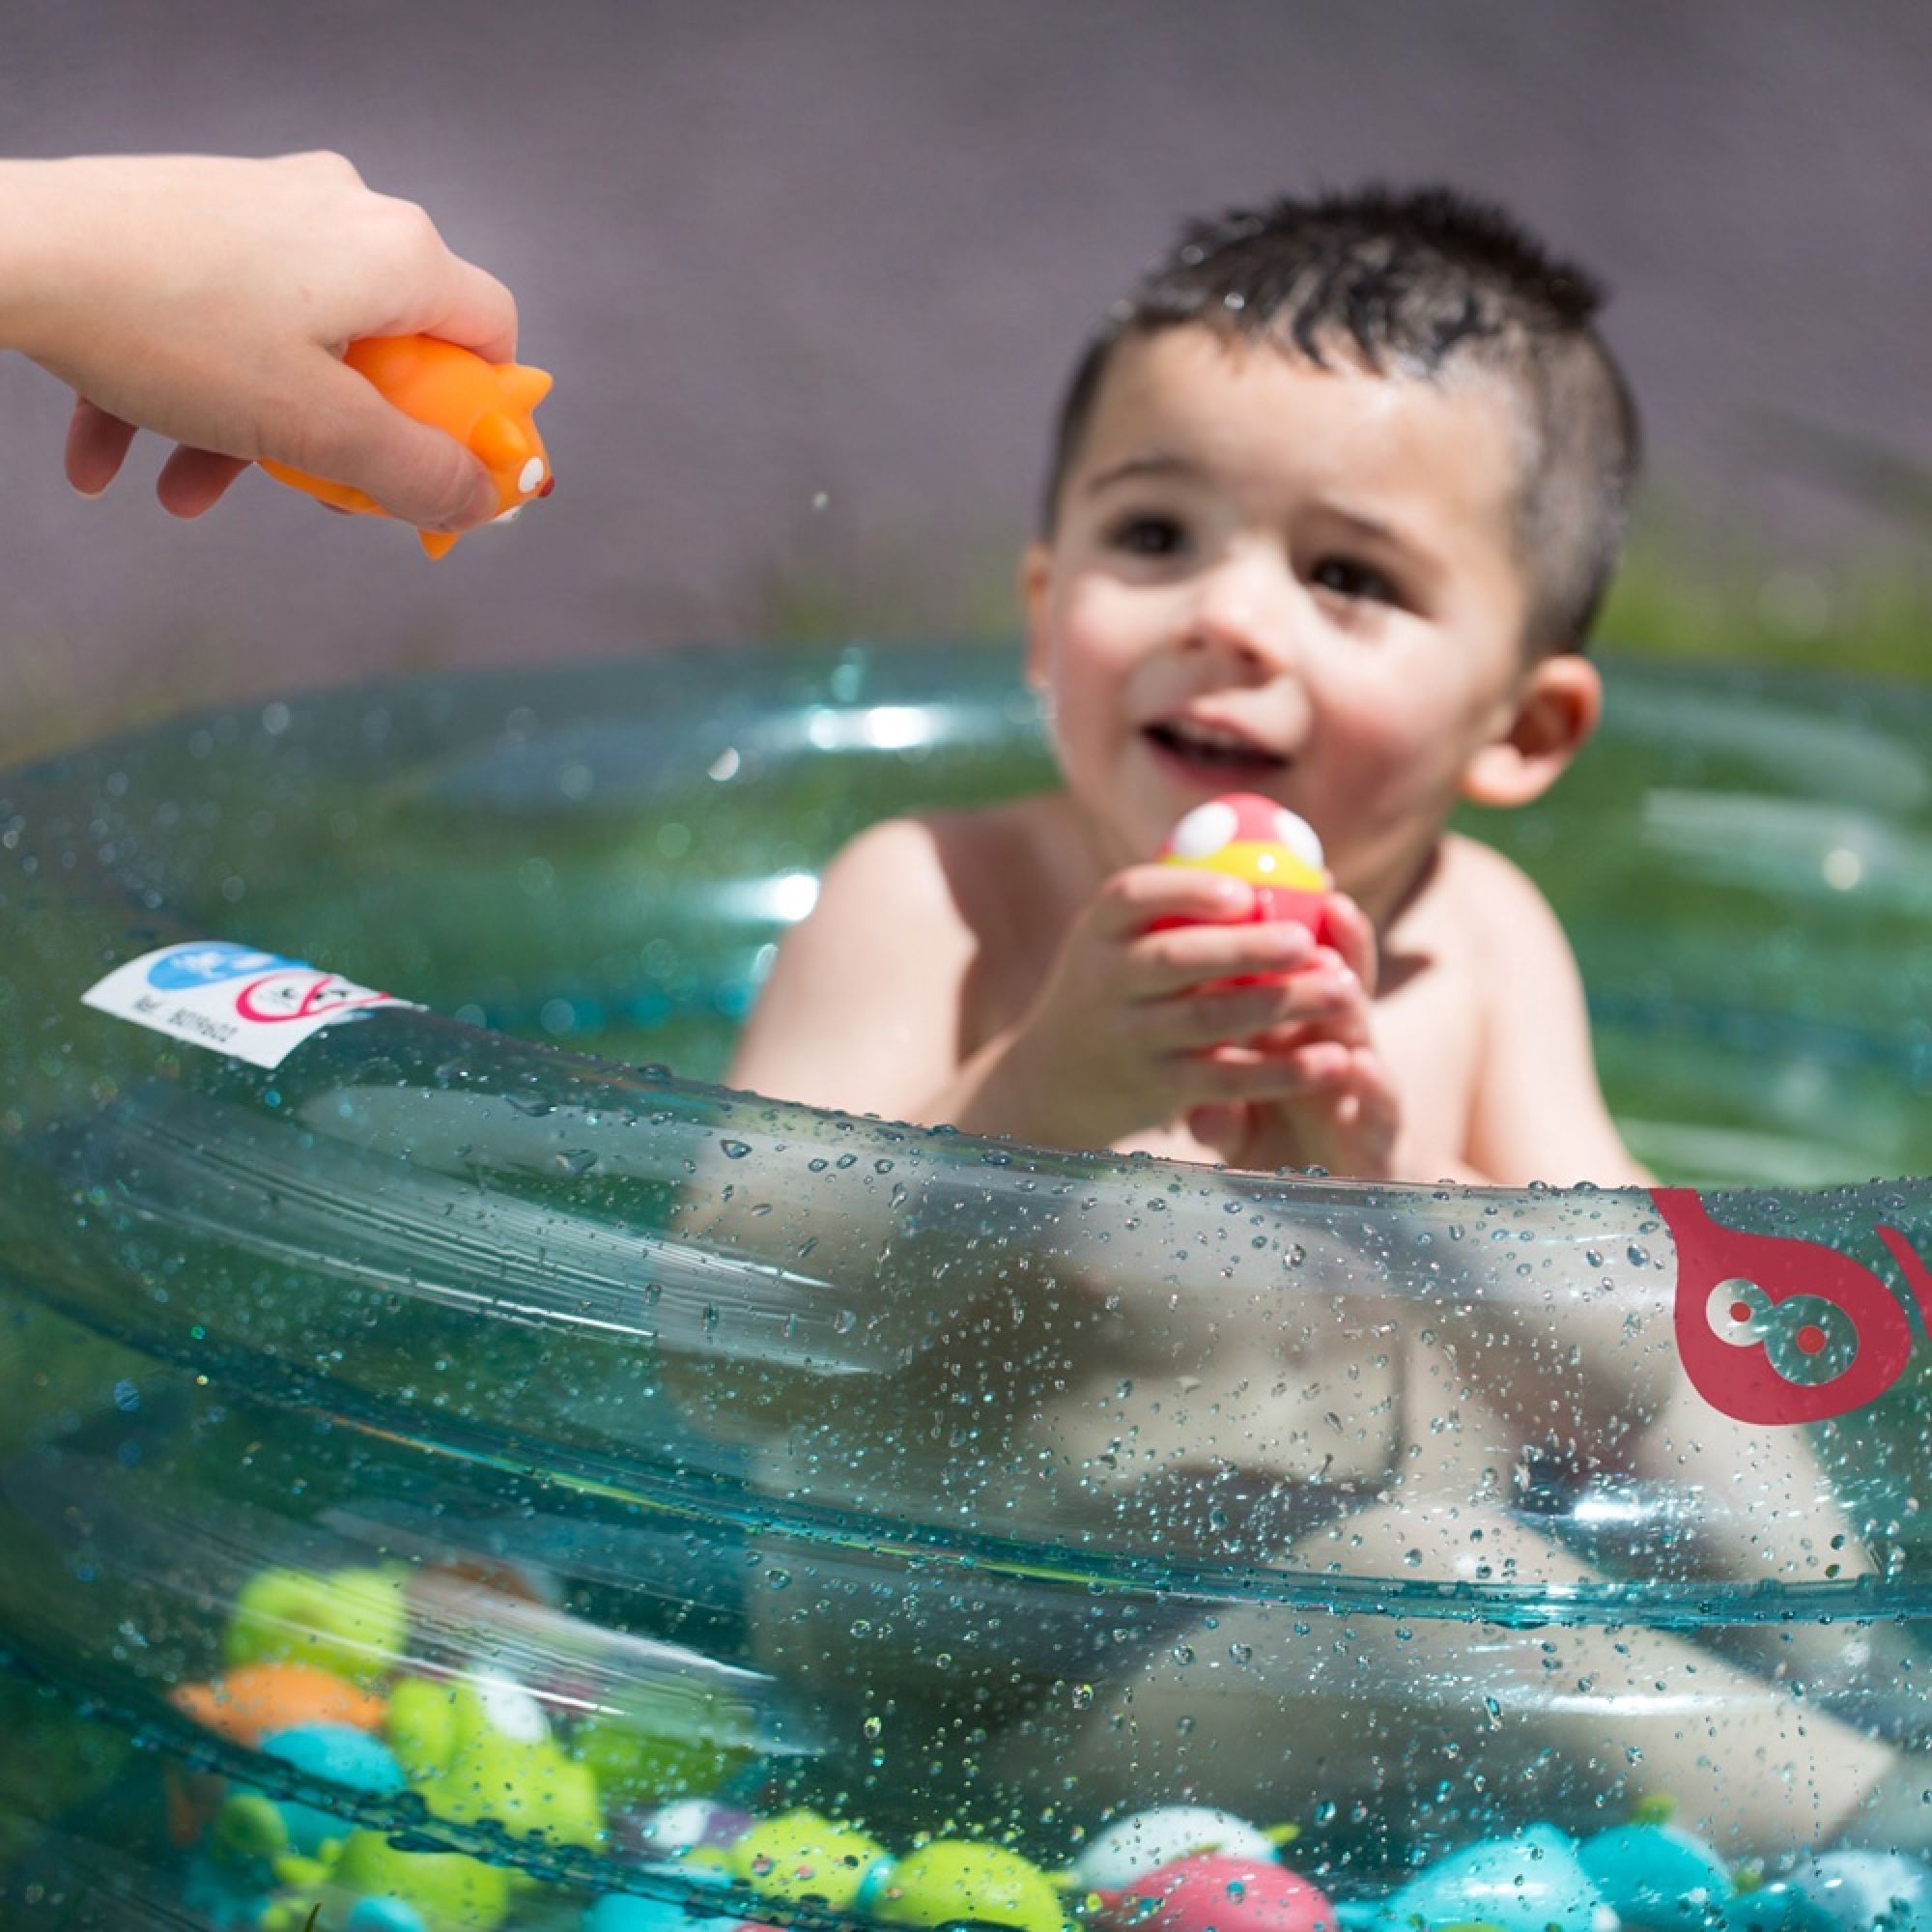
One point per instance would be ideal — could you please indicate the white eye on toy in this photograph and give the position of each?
(530, 475)
(1295, 832)
(1130, 1848)
(512, 1711)
(1204, 831)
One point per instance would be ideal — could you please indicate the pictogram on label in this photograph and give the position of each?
(1772, 1328)
(231, 999)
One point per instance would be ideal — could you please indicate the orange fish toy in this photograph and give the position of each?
(485, 405)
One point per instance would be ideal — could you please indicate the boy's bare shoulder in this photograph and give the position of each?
(962, 865)
(1494, 896)
(1469, 894)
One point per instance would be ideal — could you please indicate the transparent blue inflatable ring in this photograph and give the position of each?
(455, 1469)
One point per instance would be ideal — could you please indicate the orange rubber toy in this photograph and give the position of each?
(485, 405)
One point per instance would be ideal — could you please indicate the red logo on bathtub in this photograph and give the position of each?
(1775, 1329)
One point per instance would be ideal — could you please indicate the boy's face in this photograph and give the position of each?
(1271, 576)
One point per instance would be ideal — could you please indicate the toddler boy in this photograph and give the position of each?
(1335, 496)
(1334, 499)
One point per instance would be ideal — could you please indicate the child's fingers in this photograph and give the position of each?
(1180, 957)
(1355, 937)
(1133, 899)
(1374, 1111)
(97, 446)
(1223, 1014)
(1323, 994)
(1191, 1022)
(1232, 1073)
(1220, 1124)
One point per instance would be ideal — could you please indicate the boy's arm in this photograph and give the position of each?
(1539, 1113)
(862, 1010)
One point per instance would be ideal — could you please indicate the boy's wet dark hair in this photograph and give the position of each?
(1413, 284)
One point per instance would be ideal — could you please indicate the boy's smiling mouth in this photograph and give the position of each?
(1214, 752)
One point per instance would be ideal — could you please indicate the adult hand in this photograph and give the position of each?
(209, 300)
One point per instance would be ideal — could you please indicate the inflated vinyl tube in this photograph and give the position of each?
(943, 1482)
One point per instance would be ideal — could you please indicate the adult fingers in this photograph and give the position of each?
(481, 314)
(97, 446)
(193, 480)
(415, 472)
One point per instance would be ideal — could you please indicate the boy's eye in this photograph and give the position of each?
(1149, 536)
(1356, 582)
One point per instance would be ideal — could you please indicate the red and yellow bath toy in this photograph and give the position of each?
(1274, 850)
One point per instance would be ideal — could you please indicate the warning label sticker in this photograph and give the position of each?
(230, 999)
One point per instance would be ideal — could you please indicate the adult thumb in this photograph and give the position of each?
(419, 474)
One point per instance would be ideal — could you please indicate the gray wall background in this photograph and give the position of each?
(809, 274)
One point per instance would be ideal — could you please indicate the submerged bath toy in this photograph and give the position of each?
(485, 405)
(1220, 1894)
(445, 1888)
(648, 1752)
(425, 1290)
(1859, 1888)
(689, 1824)
(801, 1856)
(266, 1844)
(955, 1881)
(484, 1750)
(350, 1622)
(1656, 1874)
(1533, 1882)
(339, 1755)
(246, 1704)
(628, 1912)
(1131, 1847)
(1274, 850)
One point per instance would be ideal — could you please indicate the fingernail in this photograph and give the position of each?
(482, 502)
(88, 496)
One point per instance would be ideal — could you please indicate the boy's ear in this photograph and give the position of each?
(1556, 710)
(1035, 568)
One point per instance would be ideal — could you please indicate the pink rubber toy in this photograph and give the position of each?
(1274, 850)
(1218, 1894)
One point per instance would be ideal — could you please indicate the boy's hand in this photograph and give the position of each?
(1335, 1107)
(1135, 1027)
(209, 299)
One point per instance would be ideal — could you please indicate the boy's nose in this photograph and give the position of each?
(1245, 610)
